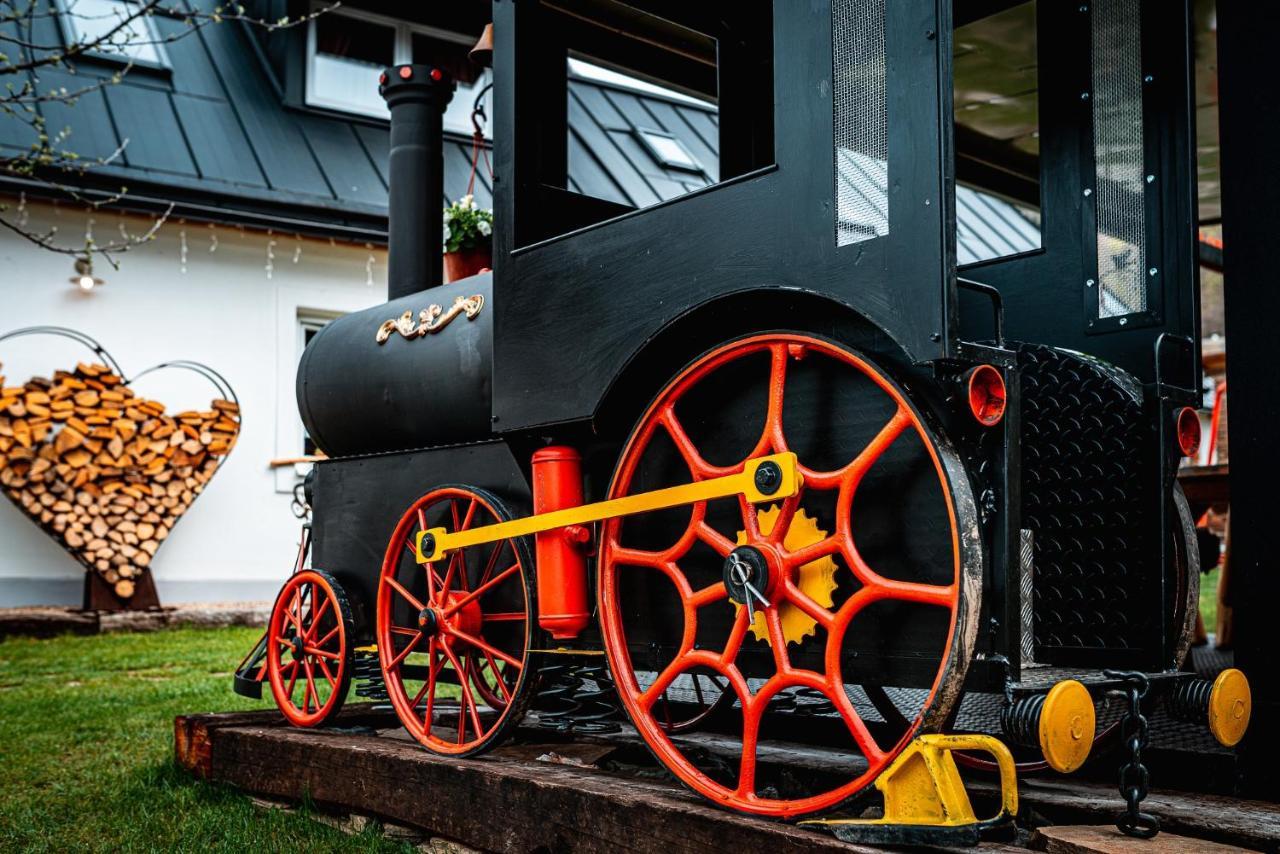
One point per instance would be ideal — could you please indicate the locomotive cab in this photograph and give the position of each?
(881, 405)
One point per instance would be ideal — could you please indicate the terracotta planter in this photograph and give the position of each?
(468, 262)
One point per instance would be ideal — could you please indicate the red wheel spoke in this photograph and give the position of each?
(805, 603)
(492, 650)
(447, 585)
(637, 557)
(668, 675)
(401, 630)
(311, 685)
(293, 679)
(294, 608)
(782, 524)
(718, 542)
(814, 551)
(471, 514)
(505, 617)
(329, 635)
(285, 641)
(404, 653)
(492, 563)
(698, 467)
(435, 663)
(777, 640)
(467, 702)
(324, 668)
(497, 677)
(741, 623)
(772, 436)
(751, 714)
(711, 593)
(320, 653)
(412, 600)
(481, 590)
(316, 615)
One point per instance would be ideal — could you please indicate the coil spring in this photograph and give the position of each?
(566, 702)
(802, 701)
(1189, 700)
(367, 673)
(1020, 719)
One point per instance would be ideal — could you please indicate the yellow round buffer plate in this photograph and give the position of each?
(1230, 704)
(1067, 723)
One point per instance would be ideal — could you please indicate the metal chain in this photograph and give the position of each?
(1134, 777)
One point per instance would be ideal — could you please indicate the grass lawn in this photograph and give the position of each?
(86, 749)
(1209, 600)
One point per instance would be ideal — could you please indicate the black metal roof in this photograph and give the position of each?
(215, 135)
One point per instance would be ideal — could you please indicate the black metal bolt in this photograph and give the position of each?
(768, 477)
(428, 544)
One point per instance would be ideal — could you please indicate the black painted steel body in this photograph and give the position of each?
(416, 163)
(581, 328)
(360, 500)
(357, 396)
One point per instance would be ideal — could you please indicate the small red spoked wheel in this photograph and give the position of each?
(454, 635)
(308, 648)
(861, 578)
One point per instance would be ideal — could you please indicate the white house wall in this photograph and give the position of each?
(239, 538)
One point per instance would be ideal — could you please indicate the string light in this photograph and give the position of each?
(271, 254)
(182, 251)
(368, 266)
(23, 214)
(213, 238)
(297, 248)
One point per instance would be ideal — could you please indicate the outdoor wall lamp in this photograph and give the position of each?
(84, 278)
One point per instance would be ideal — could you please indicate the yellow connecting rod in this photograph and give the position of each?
(779, 479)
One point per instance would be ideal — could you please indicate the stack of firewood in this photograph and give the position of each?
(105, 472)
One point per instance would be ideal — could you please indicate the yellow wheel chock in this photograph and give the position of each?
(925, 802)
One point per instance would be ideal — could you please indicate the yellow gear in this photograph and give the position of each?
(817, 579)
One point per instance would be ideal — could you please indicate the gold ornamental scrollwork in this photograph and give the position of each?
(431, 319)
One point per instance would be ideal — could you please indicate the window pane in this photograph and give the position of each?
(91, 20)
(452, 56)
(350, 54)
(449, 55)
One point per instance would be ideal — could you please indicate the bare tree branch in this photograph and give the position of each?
(121, 35)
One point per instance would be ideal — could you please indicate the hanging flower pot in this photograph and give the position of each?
(468, 262)
(468, 239)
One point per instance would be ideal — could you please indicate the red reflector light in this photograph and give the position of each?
(406, 72)
(986, 395)
(1188, 425)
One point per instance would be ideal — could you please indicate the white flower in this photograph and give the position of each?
(484, 228)
(467, 202)
(447, 233)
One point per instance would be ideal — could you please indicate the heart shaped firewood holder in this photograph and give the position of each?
(105, 473)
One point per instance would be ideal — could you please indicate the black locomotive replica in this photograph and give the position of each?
(763, 449)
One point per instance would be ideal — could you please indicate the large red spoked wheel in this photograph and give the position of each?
(454, 636)
(308, 648)
(862, 578)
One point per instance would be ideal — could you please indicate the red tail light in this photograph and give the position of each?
(1188, 429)
(986, 395)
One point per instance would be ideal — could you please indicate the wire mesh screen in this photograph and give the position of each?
(861, 123)
(1118, 157)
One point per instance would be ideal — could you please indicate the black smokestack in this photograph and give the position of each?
(417, 96)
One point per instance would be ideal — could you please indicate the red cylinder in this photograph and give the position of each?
(562, 561)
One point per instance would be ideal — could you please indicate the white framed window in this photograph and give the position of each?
(126, 35)
(348, 48)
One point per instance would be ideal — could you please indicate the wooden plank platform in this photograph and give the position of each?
(595, 794)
